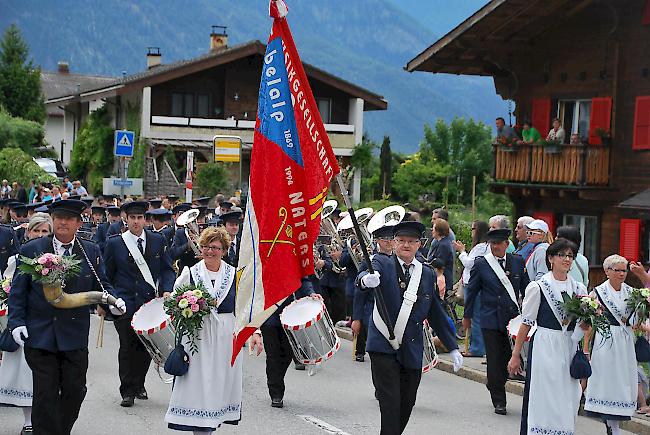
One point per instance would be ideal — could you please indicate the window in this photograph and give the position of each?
(177, 104)
(325, 109)
(202, 106)
(190, 105)
(589, 231)
(574, 115)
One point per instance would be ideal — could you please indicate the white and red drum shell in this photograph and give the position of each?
(310, 330)
(429, 354)
(155, 329)
(4, 317)
(513, 328)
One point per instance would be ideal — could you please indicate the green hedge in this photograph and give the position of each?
(20, 133)
(17, 165)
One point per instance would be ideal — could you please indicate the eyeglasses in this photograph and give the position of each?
(617, 270)
(212, 248)
(565, 256)
(473, 229)
(532, 233)
(406, 242)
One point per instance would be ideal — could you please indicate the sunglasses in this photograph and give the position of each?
(532, 233)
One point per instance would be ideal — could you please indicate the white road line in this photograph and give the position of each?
(323, 425)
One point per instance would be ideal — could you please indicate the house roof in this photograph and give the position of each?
(499, 27)
(55, 84)
(166, 72)
(638, 201)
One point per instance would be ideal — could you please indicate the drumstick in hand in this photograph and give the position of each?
(100, 332)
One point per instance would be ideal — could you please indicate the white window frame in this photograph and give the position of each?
(582, 226)
(329, 105)
(576, 115)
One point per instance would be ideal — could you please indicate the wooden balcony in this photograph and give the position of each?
(577, 165)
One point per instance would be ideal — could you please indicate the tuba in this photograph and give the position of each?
(386, 217)
(328, 228)
(192, 231)
(345, 227)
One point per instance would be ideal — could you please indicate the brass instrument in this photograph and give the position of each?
(345, 228)
(328, 228)
(192, 231)
(55, 295)
(386, 217)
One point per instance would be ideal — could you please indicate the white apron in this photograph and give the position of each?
(16, 386)
(612, 387)
(211, 391)
(553, 395)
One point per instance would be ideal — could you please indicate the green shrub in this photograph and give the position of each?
(20, 133)
(17, 165)
(210, 179)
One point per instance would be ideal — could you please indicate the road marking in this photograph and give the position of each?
(323, 425)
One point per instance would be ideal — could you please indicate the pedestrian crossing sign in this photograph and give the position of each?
(124, 143)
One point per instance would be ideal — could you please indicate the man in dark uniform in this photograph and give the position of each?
(499, 304)
(181, 249)
(20, 213)
(407, 287)
(140, 268)
(117, 226)
(8, 245)
(155, 203)
(160, 219)
(231, 221)
(56, 340)
(113, 215)
(332, 281)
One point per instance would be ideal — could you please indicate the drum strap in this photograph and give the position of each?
(410, 296)
(501, 274)
(139, 259)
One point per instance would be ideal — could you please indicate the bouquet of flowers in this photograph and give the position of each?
(5, 288)
(187, 306)
(639, 303)
(50, 269)
(588, 310)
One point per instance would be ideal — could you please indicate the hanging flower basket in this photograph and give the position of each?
(552, 147)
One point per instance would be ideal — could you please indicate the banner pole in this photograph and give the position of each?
(379, 296)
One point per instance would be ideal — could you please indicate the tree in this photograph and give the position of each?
(17, 165)
(20, 133)
(20, 81)
(210, 179)
(385, 166)
(363, 159)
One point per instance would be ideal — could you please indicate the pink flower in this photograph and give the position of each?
(201, 303)
(45, 271)
(56, 259)
(648, 299)
(42, 260)
(194, 307)
(192, 299)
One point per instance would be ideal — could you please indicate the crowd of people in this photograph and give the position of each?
(527, 134)
(135, 250)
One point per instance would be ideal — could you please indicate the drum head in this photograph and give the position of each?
(151, 317)
(300, 312)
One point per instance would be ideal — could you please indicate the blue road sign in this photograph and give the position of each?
(123, 143)
(121, 182)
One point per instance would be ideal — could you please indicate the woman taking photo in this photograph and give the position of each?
(611, 392)
(16, 387)
(551, 395)
(211, 392)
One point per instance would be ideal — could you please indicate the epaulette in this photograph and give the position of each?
(114, 235)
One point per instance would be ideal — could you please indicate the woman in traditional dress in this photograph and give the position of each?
(551, 395)
(211, 392)
(16, 387)
(611, 392)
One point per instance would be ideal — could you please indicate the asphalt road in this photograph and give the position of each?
(337, 400)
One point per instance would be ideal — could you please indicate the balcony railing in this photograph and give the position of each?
(177, 121)
(580, 165)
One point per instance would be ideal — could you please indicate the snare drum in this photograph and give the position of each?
(513, 328)
(4, 317)
(310, 330)
(429, 356)
(155, 329)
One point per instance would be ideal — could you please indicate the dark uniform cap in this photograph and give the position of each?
(155, 202)
(72, 207)
(385, 232)
(204, 200)
(172, 198)
(19, 207)
(409, 229)
(135, 207)
(230, 217)
(226, 204)
(113, 210)
(42, 209)
(98, 209)
(50, 201)
(75, 197)
(88, 200)
(12, 204)
(498, 235)
(160, 214)
(4, 201)
(180, 208)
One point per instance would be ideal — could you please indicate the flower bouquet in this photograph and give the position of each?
(638, 302)
(587, 309)
(5, 288)
(51, 271)
(187, 306)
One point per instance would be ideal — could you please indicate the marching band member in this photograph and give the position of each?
(181, 249)
(113, 215)
(19, 214)
(500, 280)
(56, 340)
(155, 203)
(332, 282)
(8, 245)
(139, 266)
(611, 392)
(551, 395)
(211, 383)
(16, 386)
(118, 226)
(231, 221)
(160, 219)
(396, 365)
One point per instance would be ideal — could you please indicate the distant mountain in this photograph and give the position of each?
(367, 42)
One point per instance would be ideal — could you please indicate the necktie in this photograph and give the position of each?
(140, 241)
(231, 251)
(67, 247)
(407, 271)
(502, 263)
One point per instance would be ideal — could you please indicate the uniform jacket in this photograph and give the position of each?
(427, 306)
(181, 251)
(305, 289)
(444, 251)
(351, 272)
(233, 258)
(8, 245)
(127, 280)
(100, 235)
(115, 228)
(364, 300)
(50, 328)
(497, 308)
(330, 278)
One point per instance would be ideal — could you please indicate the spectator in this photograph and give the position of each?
(56, 193)
(21, 193)
(556, 134)
(5, 190)
(501, 222)
(444, 251)
(504, 130)
(580, 268)
(441, 213)
(67, 184)
(235, 200)
(540, 237)
(79, 189)
(523, 247)
(32, 190)
(530, 134)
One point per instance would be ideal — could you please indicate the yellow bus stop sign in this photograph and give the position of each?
(227, 149)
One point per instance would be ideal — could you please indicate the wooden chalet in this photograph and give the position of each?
(587, 63)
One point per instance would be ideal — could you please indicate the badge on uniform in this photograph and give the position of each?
(140, 261)
(402, 285)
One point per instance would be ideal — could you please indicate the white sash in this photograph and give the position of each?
(555, 301)
(200, 275)
(501, 274)
(410, 296)
(139, 259)
(619, 312)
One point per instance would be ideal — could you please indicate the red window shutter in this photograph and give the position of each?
(630, 239)
(548, 217)
(641, 136)
(541, 115)
(645, 19)
(601, 117)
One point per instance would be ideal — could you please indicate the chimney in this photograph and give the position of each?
(63, 67)
(153, 57)
(218, 38)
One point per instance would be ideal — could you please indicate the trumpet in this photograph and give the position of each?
(345, 227)
(192, 231)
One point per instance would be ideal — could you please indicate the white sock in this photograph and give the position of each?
(613, 424)
(27, 413)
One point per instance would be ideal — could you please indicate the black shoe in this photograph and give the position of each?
(27, 430)
(142, 395)
(609, 429)
(277, 403)
(359, 358)
(500, 409)
(127, 402)
(298, 366)
(518, 378)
